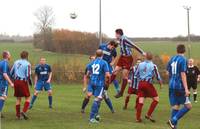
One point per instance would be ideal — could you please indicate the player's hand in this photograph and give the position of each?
(34, 86)
(112, 64)
(187, 92)
(12, 85)
(144, 54)
(48, 81)
(84, 90)
(129, 81)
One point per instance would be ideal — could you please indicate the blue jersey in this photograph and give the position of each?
(175, 67)
(42, 72)
(107, 53)
(21, 69)
(146, 71)
(4, 68)
(97, 70)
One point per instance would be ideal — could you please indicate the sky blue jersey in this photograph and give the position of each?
(107, 53)
(4, 68)
(21, 69)
(97, 69)
(175, 67)
(147, 71)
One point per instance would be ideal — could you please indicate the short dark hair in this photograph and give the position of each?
(113, 43)
(119, 31)
(24, 55)
(180, 48)
(149, 56)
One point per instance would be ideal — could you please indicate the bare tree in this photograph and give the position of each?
(45, 18)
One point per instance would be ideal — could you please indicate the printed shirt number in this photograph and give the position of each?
(95, 68)
(174, 67)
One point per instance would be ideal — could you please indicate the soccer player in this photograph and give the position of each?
(133, 84)
(193, 74)
(178, 88)
(89, 93)
(99, 78)
(4, 78)
(125, 61)
(21, 72)
(145, 73)
(109, 55)
(43, 75)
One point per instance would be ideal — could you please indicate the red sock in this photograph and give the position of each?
(17, 107)
(113, 76)
(124, 83)
(152, 107)
(136, 102)
(139, 111)
(26, 106)
(126, 101)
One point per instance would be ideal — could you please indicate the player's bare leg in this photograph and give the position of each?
(26, 107)
(125, 73)
(139, 109)
(154, 103)
(50, 98)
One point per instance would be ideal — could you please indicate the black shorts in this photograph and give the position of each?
(193, 86)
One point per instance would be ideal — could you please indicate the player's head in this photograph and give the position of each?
(91, 58)
(99, 53)
(190, 62)
(180, 49)
(118, 33)
(112, 45)
(42, 61)
(6, 55)
(24, 55)
(149, 56)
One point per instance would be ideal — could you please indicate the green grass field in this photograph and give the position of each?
(66, 113)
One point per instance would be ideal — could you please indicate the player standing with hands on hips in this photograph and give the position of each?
(21, 72)
(43, 75)
(4, 79)
(125, 61)
(178, 88)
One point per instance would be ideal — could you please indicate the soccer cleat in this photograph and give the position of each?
(30, 106)
(139, 121)
(118, 95)
(82, 111)
(171, 125)
(195, 101)
(113, 111)
(97, 117)
(94, 121)
(24, 115)
(150, 118)
(50, 106)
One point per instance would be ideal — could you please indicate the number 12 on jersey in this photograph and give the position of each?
(95, 68)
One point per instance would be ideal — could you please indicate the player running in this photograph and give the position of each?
(89, 93)
(109, 55)
(99, 77)
(133, 85)
(125, 61)
(178, 88)
(4, 79)
(146, 72)
(21, 72)
(43, 75)
(193, 74)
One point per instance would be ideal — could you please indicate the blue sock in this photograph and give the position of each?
(180, 114)
(173, 113)
(94, 109)
(116, 85)
(109, 103)
(33, 99)
(50, 100)
(1, 104)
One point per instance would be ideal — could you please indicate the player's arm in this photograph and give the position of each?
(184, 80)
(5, 75)
(133, 45)
(85, 80)
(36, 77)
(107, 75)
(114, 57)
(157, 74)
(50, 75)
(130, 75)
(198, 73)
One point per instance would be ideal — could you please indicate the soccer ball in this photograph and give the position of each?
(73, 15)
(97, 117)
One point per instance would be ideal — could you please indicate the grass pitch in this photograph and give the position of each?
(66, 114)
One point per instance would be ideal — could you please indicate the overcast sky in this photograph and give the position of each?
(138, 18)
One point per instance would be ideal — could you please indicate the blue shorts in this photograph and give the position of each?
(177, 97)
(3, 89)
(40, 85)
(97, 91)
(110, 68)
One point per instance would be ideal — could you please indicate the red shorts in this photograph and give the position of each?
(125, 62)
(21, 89)
(146, 89)
(132, 90)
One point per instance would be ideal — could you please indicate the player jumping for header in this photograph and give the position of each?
(178, 88)
(146, 72)
(125, 61)
(43, 75)
(99, 78)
